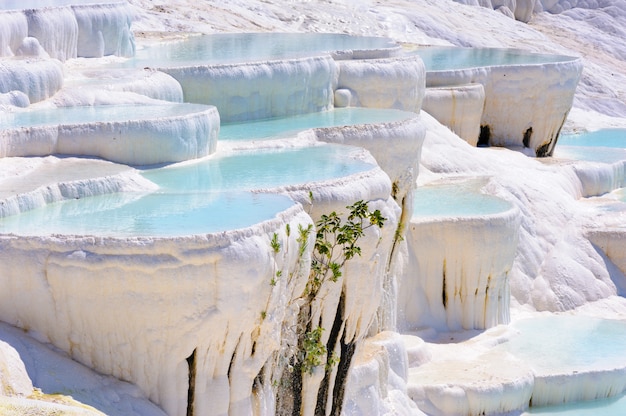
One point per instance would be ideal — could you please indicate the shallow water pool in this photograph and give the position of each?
(450, 58)
(285, 126)
(460, 198)
(605, 146)
(564, 344)
(246, 47)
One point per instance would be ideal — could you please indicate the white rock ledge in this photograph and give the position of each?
(525, 104)
(457, 272)
(65, 32)
(190, 132)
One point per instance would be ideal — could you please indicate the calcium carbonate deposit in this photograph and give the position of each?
(312, 208)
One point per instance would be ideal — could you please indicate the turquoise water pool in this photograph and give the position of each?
(563, 344)
(154, 214)
(461, 198)
(601, 138)
(450, 58)
(260, 169)
(246, 47)
(208, 196)
(284, 126)
(605, 146)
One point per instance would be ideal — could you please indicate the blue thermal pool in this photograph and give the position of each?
(450, 58)
(208, 196)
(284, 126)
(261, 169)
(606, 407)
(153, 214)
(38, 4)
(461, 198)
(246, 47)
(568, 344)
(605, 146)
(91, 114)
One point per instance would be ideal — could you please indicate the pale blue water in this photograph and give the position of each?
(156, 214)
(204, 197)
(455, 199)
(277, 127)
(90, 114)
(600, 138)
(608, 407)
(261, 169)
(448, 58)
(242, 47)
(569, 343)
(605, 146)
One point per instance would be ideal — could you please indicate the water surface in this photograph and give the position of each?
(246, 47)
(449, 58)
(460, 198)
(563, 344)
(285, 126)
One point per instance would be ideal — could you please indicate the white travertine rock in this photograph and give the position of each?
(52, 179)
(457, 273)
(377, 382)
(65, 32)
(31, 47)
(612, 241)
(13, 29)
(39, 79)
(141, 141)
(56, 30)
(224, 332)
(460, 108)
(14, 98)
(95, 87)
(259, 90)
(525, 105)
(395, 146)
(524, 10)
(14, 380)
(104, 29)
(384, 83)
(493, 382)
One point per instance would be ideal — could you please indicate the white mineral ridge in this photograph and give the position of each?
(258, 90)
(142, 141)
(458, 107)
(65, 31)
(36, 78)
(556, 268)
(458, 271)
(384, 83)
(29, 183)
(55, 373)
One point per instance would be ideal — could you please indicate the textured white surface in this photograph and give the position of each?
(458, 107)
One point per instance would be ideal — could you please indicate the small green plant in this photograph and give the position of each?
(275, 243)
(335, 242)
(314, 350)
(263, 315)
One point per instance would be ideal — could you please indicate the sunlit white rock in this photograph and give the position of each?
(384, 83)
(459, 107)
(259, 90)
(39, 79)
(525, 105)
